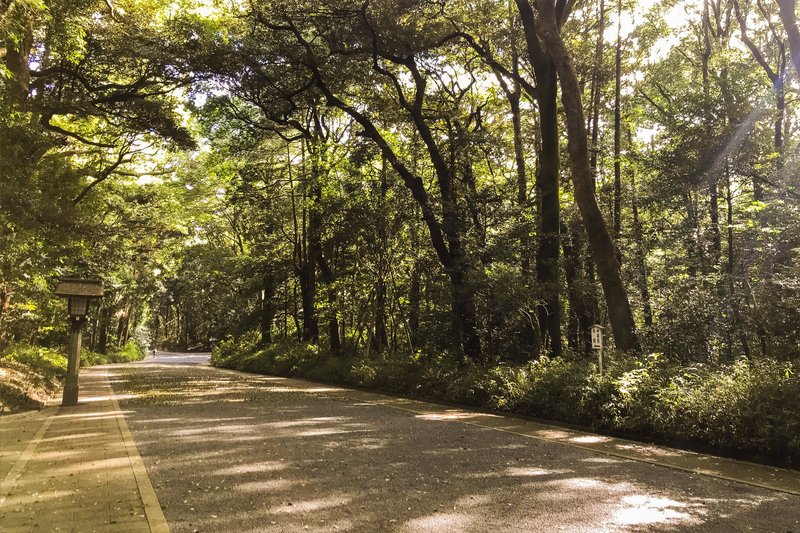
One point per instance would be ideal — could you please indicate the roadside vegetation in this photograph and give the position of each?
(30, 375)
(747, 409)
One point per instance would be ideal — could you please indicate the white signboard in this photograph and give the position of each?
(597, 337)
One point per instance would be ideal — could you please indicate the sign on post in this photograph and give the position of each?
(597, 343)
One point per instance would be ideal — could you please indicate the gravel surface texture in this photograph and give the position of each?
(228, 452)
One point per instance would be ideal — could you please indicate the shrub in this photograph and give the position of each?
(44, 361)
(554, 389)
(28, 376)
(131, 351)
(229, 352)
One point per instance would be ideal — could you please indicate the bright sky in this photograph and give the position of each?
(676, 19)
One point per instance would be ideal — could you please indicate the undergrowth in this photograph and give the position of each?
(29, 375)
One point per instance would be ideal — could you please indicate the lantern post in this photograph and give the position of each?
(79, 294)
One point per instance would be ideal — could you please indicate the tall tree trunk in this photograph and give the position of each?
(780, 108)
(579, 290)
(528, 334)
(547, 185)
(547, 257)
(736, 314)
(713, 208)
(17, 56)
(788, 15)
(597, 84)
(522, 182)
(414, 297)
(608, 270)
(694, 253)
(618, 128)
(334, 338)
(312, 248)
(105, 322)
(267, 315)
(381, 336)
(333, 316)
(380, 333)
(641, 254)
(464, 313)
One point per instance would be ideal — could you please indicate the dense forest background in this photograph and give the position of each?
(431, 181)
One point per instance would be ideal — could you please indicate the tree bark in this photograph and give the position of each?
(582, 303)
(312, 249)
(333, 316)
(789, 19)
(16, 59)
(716, 237)
(619, 310)
(596, 90)
(267, 315)
(618, 128)
(105, 322)
(547, 256)
(641, 255)
(547, 184)
(414, 298)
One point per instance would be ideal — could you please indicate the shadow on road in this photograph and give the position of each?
(234, 453)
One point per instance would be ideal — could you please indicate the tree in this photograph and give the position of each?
(548, 29)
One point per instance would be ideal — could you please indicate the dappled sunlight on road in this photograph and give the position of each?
(553, 434)
(439, 522)
(265, 466)
(276, 457)
(85, 437)
(518, 471)
(81, 467)
(311, 505)
(267, 485)
(601, 460)
(453, 414)
(644, 510)
(589, 439)
(103, 398)
(78, 416)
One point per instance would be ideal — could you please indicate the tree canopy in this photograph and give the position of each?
(483, 178)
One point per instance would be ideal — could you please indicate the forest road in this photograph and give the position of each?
(227, 451)
(179, 358)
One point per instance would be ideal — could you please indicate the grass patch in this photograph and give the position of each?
(29, 375)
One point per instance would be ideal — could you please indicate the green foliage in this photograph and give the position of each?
(749, 405)
(141, 144)
(131, 351)
(44, 361)
(29, 375)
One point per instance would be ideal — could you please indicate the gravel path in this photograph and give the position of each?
(228, 452)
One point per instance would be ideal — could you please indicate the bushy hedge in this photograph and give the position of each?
(749, 407)
(131, 351)
(43, 361)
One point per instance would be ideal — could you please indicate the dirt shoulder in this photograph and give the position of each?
(22, 388)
